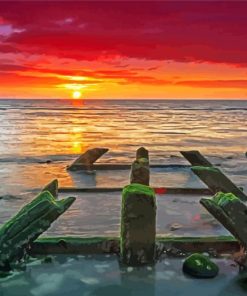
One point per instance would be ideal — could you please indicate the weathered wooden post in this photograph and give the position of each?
(138, 225)
(52, 187)
(142, 153)
(140, 168)
(87, 159)
(27, 225)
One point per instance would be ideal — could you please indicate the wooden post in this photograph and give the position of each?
(231, 212)
(26, 226)
(138, 225)
(52, 187)
(142, 153)
(217, 181)
(87, 159)
(196, 158)
(140, 168)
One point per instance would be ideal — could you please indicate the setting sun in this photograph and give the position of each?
(76, 94)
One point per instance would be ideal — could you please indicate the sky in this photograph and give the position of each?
(123, 50)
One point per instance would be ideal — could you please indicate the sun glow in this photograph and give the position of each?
(76, 94)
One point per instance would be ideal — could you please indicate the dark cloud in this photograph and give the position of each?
(212, 32)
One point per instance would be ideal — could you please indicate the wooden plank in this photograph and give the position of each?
(88, 158)
(231, 212)
(101, 245)
(158, 190)
(217, 181)
(125, 166)
(196, 158)
(27, 225)
(52, 187)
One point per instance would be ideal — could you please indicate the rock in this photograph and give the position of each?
(200, 266)
(175, 226)
(47, 259)
(9, 197)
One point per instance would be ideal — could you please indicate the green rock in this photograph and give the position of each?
(200, 266)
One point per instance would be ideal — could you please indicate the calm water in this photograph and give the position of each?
(102, 276)
(33, 132)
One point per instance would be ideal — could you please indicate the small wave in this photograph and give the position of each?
(39, 159)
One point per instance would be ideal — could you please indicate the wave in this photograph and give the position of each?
(123, 109)
(38, 159)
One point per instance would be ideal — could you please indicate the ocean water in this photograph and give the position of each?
(33, 132)
(102, 275)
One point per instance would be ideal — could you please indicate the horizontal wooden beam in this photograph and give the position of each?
(123, 166)
(101, 245)
(161, 190)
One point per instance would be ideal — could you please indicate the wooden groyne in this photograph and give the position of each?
(137, 243)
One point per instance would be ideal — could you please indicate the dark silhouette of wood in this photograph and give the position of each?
(196, 158)
(87, 159)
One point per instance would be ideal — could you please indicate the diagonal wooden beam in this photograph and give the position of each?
(87, 159)
(196, 158)
(211, 176)
(231, 212)
(217, 181)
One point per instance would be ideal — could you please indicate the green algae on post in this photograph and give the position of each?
(32, 220)
(52, 187)
(205, 168)
(222, 198)
(200, 266)
(138, 225)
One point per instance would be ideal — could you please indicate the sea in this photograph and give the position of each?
(39, 138)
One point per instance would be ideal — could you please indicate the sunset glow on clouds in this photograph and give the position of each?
(123, 49)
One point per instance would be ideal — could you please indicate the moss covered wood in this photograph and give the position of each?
(217, 181)
(138, 225)
(231, 212)
(52, 187)
(142, 153)
(87, 159)
(140, 171)
(196, 158)
(32, 220)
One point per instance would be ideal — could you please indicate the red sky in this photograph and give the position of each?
(123, 49)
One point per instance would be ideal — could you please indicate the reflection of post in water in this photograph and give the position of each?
(138, 280)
